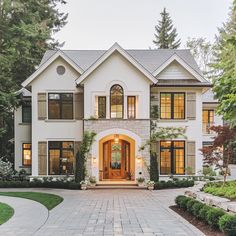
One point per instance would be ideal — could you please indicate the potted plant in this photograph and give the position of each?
(92, 180)
(150, 185)
(141, 181)
(83, 184)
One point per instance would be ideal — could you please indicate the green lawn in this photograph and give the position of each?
(48, 200)
(217, 189)
(6, 212)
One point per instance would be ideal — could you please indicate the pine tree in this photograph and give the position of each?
(26, 29)
(165, 36)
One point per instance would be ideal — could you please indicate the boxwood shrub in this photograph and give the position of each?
(176, 183)
(40, 184)
(197, 206)
(227, 224)
(203, 213)
(214, 217)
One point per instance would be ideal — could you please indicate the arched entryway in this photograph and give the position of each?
(116, 158)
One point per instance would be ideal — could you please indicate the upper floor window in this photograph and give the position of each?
(172, 105)
(26, 112)
(116, 101)
(131, 107)
(101, 107)
(26, 154)
(60, 106)
(207, 120)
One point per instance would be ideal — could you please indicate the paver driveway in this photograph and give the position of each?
(115, 212)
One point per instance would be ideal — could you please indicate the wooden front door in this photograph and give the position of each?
(116, 159)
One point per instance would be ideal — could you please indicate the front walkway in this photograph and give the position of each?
(113, 212)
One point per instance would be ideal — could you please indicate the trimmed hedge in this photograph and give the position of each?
(215, 217)
(40, 184)
(177, 183)
(227, 224)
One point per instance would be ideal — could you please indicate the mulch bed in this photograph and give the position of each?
(206, 229)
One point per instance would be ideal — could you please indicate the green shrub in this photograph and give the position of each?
(227, 224)
(213, 216)
(190, 205)
(179, 199)
(36, 183)
(197, 206)
(203, 212)
(175, 183)
(208, 171)
(184, 202)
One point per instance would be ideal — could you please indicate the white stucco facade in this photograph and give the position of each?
(117, 68)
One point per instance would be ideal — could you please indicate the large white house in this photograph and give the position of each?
(116, 93)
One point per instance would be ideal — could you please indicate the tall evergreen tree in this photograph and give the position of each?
(225, 65)
(26, 32)
(165, 36)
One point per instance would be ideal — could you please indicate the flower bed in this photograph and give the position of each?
(214, 217)
(217, 189)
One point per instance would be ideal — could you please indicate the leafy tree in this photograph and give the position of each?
(202, 51)
(165, 36)
(222, 149)
(225, 65)
(26, 32)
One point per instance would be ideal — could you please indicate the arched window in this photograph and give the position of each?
(116, 101)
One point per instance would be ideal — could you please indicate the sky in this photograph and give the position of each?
(97, 24)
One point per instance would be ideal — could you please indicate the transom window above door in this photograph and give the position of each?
(172, 105)
(116, 102)
(60, 106)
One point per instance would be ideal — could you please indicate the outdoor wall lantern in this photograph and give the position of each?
(94, 160)
(139, 159)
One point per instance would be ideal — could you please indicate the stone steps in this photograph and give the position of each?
(117, 185)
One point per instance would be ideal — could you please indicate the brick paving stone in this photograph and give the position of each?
(114, 212)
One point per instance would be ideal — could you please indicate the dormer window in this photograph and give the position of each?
(116, 102)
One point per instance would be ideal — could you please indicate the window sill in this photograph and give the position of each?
(59, 120)
(23, 123)
(172, 120)
(28, 167)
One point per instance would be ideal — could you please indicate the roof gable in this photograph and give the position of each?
(116, 48)
(186, 66)
(48, 62)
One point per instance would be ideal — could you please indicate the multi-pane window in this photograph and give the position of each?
(131, 107)
(60, 106)
(172, 105)
(26, 112)
(101, 107)
(172, 159)
(116, 101)
(61, 157)
(207, 120)
(26, 154)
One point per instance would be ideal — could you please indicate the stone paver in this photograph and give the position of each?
(28, 217)
(116, 212)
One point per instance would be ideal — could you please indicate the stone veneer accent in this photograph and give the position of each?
(139, 127)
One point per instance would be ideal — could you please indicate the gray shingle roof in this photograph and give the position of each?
(149, 59)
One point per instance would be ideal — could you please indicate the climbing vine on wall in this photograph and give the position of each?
(81, 156)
